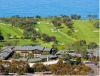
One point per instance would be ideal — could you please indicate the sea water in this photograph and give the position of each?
(48, 7)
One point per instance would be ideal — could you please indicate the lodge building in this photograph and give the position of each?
(23, 51)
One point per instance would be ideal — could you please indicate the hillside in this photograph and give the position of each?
(83, 30)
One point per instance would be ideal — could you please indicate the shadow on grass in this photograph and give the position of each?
(61, 27)
(2, 41)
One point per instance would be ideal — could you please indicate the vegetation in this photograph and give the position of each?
(16, 56)
(1, 37)
(96, 24)
(92, 45)
(39, 67)
(14, 67)
(37, 30)
(65, 69)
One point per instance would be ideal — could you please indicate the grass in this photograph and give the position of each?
(84, 27)
(46, 28)
(7, 29)
(85, 31)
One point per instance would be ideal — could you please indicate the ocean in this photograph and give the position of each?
(46, 8)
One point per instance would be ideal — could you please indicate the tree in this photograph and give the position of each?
(16, 56)
(80, 47)
(82, 42)
(52, 38)
(45, 53)
(75, 16)
(8, 36)
(78, 61)
(68, 46)
(69, 32)
(2, 68)
(66, 56)
(30, 56)
(92, 17)
(69, 23)
(86, 56)
(33, 38)
(39, 67)
(7, 43)
(54, 49)
(1, 37)
(56, 68)
(38, 16)
(96, 24)
(48, 38)
(14, 36)
(25, 34)
(57, 24)
(16, 42)
(92, 45)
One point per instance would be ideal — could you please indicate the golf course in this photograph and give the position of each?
(83, 30)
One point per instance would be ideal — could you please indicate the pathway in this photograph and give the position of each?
(66, 35)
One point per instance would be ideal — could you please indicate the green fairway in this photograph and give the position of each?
(7, 29)
(50, 30)
(86, 31)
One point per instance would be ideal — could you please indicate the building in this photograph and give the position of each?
(6, 52)
(94, 52)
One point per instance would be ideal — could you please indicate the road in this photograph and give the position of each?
(94, 68)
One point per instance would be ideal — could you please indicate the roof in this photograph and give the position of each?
(28, 48)
(74, 54)
(89, 63)
(70, 51)
(7, 50)
(60, 52)
(34, 60)
(53, 56)
(78, 55)
(8, 47)
(47, 49)
(21, 59)
(59, 56)
(3, 55)
(44, 56)
(94, 51)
